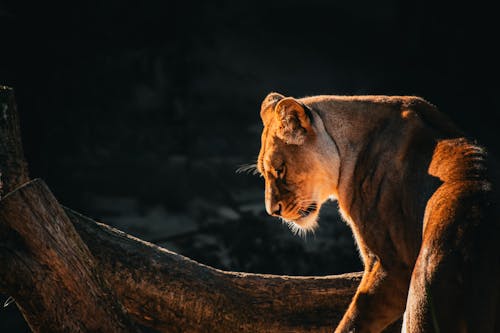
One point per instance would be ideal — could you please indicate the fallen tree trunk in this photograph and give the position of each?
(46, 266)
(159, 289)
(101, 279)
(172, 293)
(49, 271)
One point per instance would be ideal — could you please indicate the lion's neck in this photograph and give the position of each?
(355, 141)
(378, 151)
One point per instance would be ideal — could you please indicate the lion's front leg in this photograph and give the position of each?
(379, 301)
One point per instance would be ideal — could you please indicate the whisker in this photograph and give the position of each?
(308, 203)
(250, 169)
(308, 208)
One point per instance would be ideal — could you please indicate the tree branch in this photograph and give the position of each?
(162, 289)
(49, 271)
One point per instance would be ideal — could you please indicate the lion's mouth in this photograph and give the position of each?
(305, 222)
(309, 210)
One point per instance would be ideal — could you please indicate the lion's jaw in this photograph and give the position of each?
(302, 225)
(307, 220)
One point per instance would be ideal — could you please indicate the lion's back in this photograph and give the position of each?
(374, 106)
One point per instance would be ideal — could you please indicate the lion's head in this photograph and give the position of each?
(298, 161)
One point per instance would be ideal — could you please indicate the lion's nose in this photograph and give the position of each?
(275, 209)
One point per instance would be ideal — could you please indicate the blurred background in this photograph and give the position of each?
(138, 113)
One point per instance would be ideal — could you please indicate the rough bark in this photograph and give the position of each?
(172, 293)
(68, 273)
(49, 271)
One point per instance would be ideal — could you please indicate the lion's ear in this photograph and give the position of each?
(268, 104)
(294, 121)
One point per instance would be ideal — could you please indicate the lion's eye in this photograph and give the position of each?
(280, 172)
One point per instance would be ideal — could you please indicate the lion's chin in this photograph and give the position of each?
(304, 225)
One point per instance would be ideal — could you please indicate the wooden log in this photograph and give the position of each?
(172, 293)
(49, 271)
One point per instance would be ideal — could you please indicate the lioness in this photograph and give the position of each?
(419, 196)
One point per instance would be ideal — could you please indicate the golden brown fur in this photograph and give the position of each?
(419, 197)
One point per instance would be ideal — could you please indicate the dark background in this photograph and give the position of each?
(139, 113)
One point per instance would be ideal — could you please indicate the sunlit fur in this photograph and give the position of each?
(297, 229)
(304, 185)
(418, 195)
